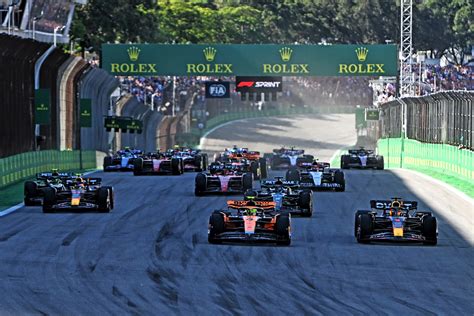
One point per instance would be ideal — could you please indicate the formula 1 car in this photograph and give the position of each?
(158, 164)
(34, 190)
(250, 221)
(287, 195)
(285, 158)
(318, 176)
(362, 158)
(193, 159)
(223, 178)
(257, 165)
(82, 194)
(395, 220)
(123, 160)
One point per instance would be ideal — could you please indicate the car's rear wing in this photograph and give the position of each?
(49, 175)
(358, 151)
(387, 204)
(250, 204)
(273, 183)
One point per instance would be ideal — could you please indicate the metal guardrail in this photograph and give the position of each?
(442, 118)
(18, 167)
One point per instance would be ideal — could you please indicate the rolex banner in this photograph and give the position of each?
(42, 106)
(250, 60)
(86, 113)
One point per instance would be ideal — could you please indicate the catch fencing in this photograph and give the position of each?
(440, 118)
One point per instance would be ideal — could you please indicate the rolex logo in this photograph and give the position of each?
(209, 53)
(285, 53)
(361, 53)
(133, 53)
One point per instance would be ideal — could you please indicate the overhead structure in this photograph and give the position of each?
(407, 80)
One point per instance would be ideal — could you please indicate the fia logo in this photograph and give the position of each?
(217, 90)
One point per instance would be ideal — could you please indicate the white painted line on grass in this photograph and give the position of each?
(20, 205)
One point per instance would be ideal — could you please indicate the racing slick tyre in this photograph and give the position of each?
(275, 161)
(30, 190)
(339, 178)
(104, 200)
(254, 169)
(111, 194)
(247, 182)
(216, 227)
(305, 203)
(357, 221)
(292, 175)
(176, 167)
(263, 168)
(308, 158)
(282, 230)
(364, 229)
(200, 184)
(137, 166)
(205, 162)
(107, 162)
(429, 229)
(49, 199)
(198, 162)
(380, 163)
(345, 160)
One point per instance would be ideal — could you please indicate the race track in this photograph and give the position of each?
(151, 256)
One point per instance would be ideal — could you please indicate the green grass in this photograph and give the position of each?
(462, 185)
(13, 194)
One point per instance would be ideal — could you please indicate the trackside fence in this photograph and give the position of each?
(19, 167)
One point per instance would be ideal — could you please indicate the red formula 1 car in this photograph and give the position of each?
(223, 178)
(251, 221)
(159, 164)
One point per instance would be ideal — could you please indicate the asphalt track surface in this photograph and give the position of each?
(151, 256)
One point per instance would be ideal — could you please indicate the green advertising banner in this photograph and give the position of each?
(371, 114)
(42, 106)
(125, 124)
(86, 113)
(249, 60)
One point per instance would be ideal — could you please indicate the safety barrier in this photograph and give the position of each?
(18, 167)
(442, 158)
(443, 118)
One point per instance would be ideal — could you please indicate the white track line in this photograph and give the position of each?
(20, 205)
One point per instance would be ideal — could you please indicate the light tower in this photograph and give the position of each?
(407, 82)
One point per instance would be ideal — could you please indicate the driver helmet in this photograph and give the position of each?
(252, 211)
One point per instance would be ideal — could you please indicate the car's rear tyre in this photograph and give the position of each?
(339, 179)
(137, 166)
(275, 163)
(380, 163)
(365, 228)
(205, 162)
(111, 195)
(430, 230)
(216, 227)
(104, 202)
(247, 182)
(292, 175)
(198, 163)
(176, 166)
(30, 191)
(49, 200)
(345, 160)
(200, 184)
(107, 162)
(305, 203)
(263, 168)
(283, 230)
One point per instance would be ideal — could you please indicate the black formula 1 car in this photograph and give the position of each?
(287, 196)
(223, 178)
(82, 194)
(193, 159)
(123, 160)
(395, 220)
(318, 176)
(250, 221)
(362, 158)
(34, 190)
(158, 164)
(285, 158)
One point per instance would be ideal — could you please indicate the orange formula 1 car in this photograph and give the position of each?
(250, 221)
